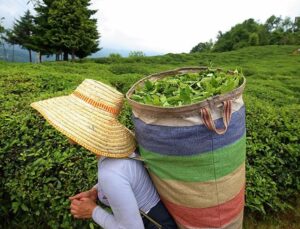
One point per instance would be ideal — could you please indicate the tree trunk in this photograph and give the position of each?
(30, 57)
(57, 56)
(66, 56)
(13, 55)
(73, 55)
(40, 57)
(4, 53)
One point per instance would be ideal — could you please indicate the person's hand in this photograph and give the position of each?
(91, 194)
(83, 208)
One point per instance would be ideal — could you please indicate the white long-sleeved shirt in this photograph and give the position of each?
(126, 187)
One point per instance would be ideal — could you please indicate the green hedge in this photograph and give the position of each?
(273, 156)
(39, 169)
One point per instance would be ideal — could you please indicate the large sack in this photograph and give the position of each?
(196, 156)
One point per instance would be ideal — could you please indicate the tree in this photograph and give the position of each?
(22, 32)
(2, 38)
(203, 47)
(2, 31)
(65, 26)
(253, 39)
(272, 23)
(69, 27)
(251, 33)
(241, 35)
(41, 37)
(287, 25)
(136, 54)
(296, 25)
(263, 35)
(296, 31)
(1, 27)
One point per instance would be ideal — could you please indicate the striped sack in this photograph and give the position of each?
(196, 156)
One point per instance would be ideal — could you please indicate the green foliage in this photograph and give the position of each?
(39, 169)
(253, 39)
(238, 37)
(115, 57)
(273, 155)
(2, 29)
(136, 54)
(80, 38)
(187, 88)
(203, 47)
(275, 31)
(66, 27)
(125, 116)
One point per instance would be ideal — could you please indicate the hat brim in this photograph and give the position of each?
(95, 129)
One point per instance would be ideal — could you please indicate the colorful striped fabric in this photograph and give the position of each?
(199, 174)
(195, 155)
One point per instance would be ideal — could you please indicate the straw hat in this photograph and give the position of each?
(88, 117)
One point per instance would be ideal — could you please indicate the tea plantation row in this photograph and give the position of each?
(39, 169)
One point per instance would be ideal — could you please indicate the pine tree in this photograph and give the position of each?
(2, 38)
(21, 33)
(41, 39)
(1, 29)
(66, 26)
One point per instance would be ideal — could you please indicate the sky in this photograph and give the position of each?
(165, 26)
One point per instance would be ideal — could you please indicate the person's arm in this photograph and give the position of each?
(100, 195)
(122, 201)
(92, 194)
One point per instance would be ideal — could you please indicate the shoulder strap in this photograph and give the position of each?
(137, 157)
(151, 220)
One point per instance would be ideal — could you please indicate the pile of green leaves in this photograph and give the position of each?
(187, 88)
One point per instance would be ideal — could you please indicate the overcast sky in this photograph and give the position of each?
(167, 25)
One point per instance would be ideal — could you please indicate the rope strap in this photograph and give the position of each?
(208, 121)
(151, 220)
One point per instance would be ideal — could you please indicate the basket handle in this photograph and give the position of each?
(208, 121)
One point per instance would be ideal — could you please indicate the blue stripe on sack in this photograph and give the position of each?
(188, 140)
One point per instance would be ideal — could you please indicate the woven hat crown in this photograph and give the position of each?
(100, 95)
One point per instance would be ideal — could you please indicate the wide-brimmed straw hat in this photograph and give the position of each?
(88, 116)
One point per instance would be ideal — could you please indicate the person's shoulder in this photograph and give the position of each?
(111, 163)
(112, 171)
(124, 166)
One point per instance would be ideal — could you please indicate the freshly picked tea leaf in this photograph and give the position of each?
(186, 88)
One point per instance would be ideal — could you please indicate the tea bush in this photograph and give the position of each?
(39, 169)
(273, 156)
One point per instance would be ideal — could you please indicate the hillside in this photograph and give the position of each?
(17, 54)
(39, 169)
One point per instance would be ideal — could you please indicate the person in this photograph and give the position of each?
(88, 117)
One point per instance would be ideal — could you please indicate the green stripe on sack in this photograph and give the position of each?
(203, 167)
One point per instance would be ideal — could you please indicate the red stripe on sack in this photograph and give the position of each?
(215, 217)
